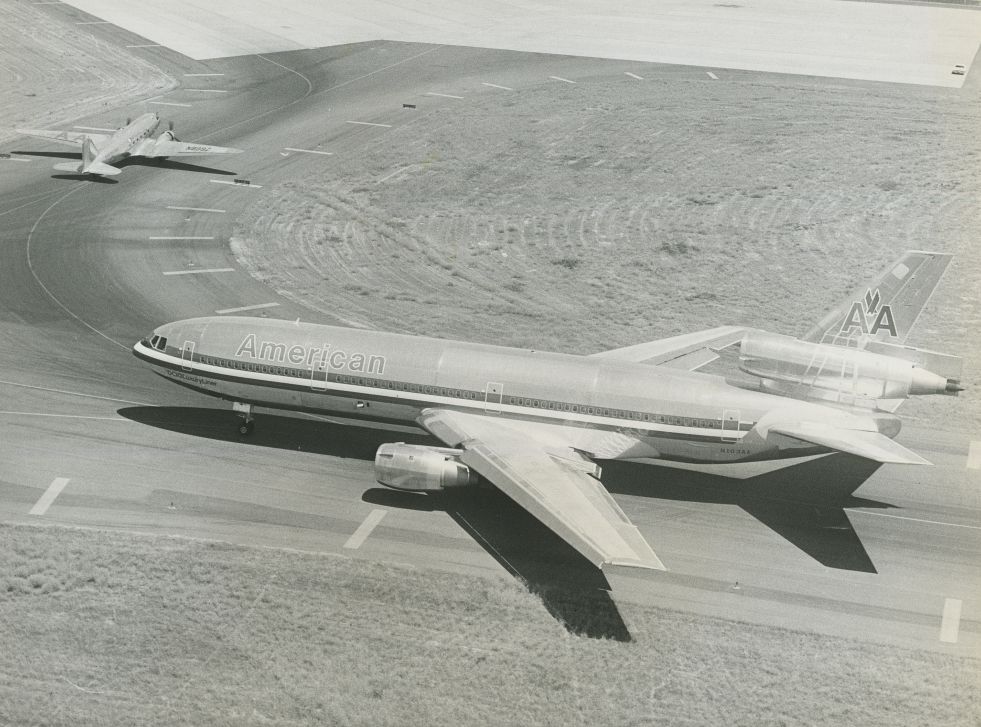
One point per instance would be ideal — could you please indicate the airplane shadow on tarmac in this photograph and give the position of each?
(802, 503)
(131, 162)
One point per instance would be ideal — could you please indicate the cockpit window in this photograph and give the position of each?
(160, 344)
(153, 341)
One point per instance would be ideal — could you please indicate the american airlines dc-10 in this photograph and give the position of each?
(532, 423)
(101, 151)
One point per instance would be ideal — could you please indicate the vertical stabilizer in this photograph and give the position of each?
(886, 308)
(88, 153)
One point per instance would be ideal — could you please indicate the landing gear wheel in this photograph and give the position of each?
(245, 428)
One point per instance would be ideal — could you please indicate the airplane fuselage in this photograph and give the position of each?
(606, 408)
(122, 142)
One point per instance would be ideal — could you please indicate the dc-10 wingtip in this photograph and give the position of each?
(649, 564)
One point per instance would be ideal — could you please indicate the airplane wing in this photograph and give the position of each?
(71, 138)
(870, 445)
(689, 351)
(165, 148)
(555, 484)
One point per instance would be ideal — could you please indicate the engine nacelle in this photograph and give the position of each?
(830, 372)
(169, 136)
(427, 469)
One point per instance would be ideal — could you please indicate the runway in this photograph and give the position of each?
(88, 268)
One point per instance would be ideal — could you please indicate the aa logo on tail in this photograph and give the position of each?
(871, 318)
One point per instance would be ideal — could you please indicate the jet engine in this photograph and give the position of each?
(426, 469)
(817, 370)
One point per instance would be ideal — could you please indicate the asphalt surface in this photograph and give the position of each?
(833, 546)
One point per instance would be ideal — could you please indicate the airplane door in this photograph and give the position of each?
(318, 377)
(187, 353)
(493, 396)
(730, 424)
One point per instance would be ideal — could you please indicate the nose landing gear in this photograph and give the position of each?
(246, 420)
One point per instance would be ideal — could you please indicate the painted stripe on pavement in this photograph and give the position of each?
(370, 123)
(54, 489)
(559, 78)
(712, 76)
(236, 184)
(364, 529)
(206, 90)
(195, 209)
(633, 75)
(176, 237)
(200, 271)
(170, 103)
(974, 456)
(950, 622)
(917, 519)
(308, 151)
(198, 75)
(494, 85)
(145, 45)
(442, 95)
(259, 306)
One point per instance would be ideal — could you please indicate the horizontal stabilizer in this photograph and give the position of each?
(99, 168)
(75, 167)
(870, 445)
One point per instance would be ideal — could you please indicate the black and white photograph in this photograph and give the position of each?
(490, 362)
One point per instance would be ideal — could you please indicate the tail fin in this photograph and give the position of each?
(89, 165)
(88, 152)
(885, 308)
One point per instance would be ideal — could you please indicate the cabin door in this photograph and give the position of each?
(730, 425)
(492, 397)
(187, 355)
(318, 377)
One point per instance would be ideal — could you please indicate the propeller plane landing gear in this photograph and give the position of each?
(246, 421)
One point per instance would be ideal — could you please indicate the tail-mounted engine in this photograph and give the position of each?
(821, 371)
(415, 467)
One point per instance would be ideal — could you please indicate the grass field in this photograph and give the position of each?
(109, 628)
(578, 218)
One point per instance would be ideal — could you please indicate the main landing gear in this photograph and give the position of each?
(246, 421)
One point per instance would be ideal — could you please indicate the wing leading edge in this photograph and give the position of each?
(556, 485)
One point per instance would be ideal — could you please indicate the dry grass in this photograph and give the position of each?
(613, 212)
(109, 628)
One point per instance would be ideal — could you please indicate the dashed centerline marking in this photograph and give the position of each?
(199, 75)
(195, 209)
(170, 103)
(235, 184)
(370, 123)
(397, 171)
(364, 529)
(559, 78)
(494, 85)
(442, 95)
(712, 76)
(223, 311)
(950, 621)
(54, 489)
(974, 456)
(308, 151)
(180, 237)
(633, 75)
(206, 90)
(199, 272)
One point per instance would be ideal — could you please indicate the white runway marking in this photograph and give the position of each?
(195, 209)
(206, 90)
(170, 103)
(712, 76)
(75, 393)
(200, 271)
(15, 159)
(199, 75)
(225, 181)
(397, 171)
(443, 95)
(259, 306)
(916, 519)
(180, 237)
(364, 529)
(494, 85)
(633, 75)
(974, 456)
(369, 123)
(94, 128)
(54, 489)
(146, 45)
(559, 78)
(92, 22)
(308, 151)
(951, 620)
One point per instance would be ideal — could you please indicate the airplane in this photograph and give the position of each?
(533, 423)
(100, 151)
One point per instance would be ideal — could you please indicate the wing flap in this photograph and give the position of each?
(549, 484)
(870, 445)
(689, 351)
